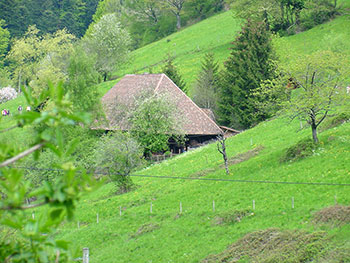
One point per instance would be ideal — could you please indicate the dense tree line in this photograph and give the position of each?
(287, 16)
(48, 15)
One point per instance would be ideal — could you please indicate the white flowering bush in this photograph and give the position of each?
(7, 94)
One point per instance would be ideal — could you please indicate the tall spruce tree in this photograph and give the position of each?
(248, 64)
(171, 71)
(207, 84)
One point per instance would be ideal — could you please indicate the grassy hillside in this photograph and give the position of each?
(216, 34)
(166, 236)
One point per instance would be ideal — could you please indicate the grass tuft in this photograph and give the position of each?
(302, 149)
(335, 215)
(273, 245)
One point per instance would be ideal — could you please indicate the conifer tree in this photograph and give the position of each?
(171, 71)
(248, 64)
(207, 85)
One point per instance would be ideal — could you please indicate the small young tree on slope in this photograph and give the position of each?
(320, 79)
(207, 85)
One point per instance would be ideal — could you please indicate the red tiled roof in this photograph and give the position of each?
(194, 120)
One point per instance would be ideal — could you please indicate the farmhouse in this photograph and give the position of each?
(196, 124)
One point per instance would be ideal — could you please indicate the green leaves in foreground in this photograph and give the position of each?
(27, 231)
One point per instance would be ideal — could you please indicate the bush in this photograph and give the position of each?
(335, 121)
(7, 94)
(118, 154)
(273, 245)
(299, 151)
(316, 14)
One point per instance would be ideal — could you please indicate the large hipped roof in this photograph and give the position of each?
(194, 120)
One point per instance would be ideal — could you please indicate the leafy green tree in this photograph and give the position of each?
(319, 11)
(154, 121)
(33, 239)
(202, 9)
(118, 154)
(172, 72)
(38, 59)
(82, 78)
(110, 43)
(4, 41)
(280, 15)
(249, 64)
(207, 86)
(146, 10)
(175, 7)
(320, 79)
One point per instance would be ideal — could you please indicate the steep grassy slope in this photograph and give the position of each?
(216, 34)
(166, 236)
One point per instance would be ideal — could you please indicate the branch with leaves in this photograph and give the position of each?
(59, 197)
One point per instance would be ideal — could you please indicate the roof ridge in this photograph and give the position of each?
(194, 103)
(160, 81)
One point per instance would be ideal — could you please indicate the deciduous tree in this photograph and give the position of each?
(33, 239)
(82, 78)
(4, 42)
(175, 7)
(110, 43)
(37, 59)
(320, 79)
(154, 120)
(118, 154)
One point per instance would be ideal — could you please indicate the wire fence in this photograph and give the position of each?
(196, 178)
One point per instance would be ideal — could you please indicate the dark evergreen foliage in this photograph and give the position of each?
(47, 15)
(172, 72)
(206, 88)
(248, 65)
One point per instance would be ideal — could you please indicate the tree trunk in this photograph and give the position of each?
(266, 18)
(19, 81)
(282, 11)
(222, 149)
(104, 76)
(314, 133)
(178, 23)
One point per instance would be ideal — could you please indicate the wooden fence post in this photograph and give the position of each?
(85, 255)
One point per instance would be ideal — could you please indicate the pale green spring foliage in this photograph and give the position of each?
(38, 59)
(27, 237)
(320, 80)
(117, 155)
(109, 42)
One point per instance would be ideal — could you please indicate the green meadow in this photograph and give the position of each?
(166, 235)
